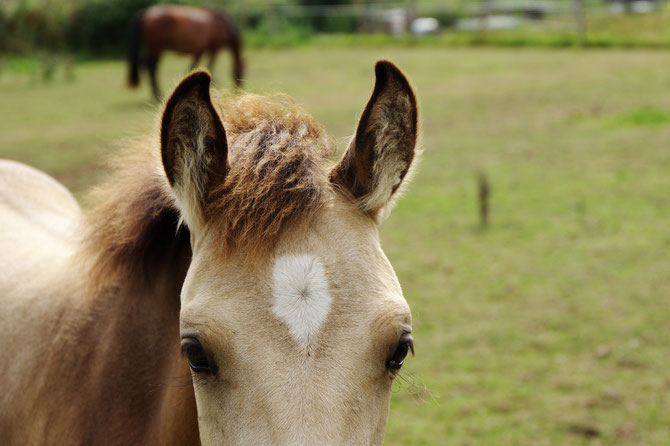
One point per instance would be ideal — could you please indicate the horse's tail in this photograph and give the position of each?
(134, 50)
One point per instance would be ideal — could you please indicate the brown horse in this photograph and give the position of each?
(230, 235)
(186, 30)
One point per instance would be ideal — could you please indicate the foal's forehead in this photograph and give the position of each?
(331, 263)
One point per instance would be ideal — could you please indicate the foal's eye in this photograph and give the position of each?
(396, 360)
(197, 358)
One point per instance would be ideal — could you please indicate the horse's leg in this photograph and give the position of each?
(238, 64)
(154, 55)
(212, 60)
(196, 59)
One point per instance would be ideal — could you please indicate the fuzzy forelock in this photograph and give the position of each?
(277, 157)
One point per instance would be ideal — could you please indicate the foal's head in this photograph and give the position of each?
(292, 319)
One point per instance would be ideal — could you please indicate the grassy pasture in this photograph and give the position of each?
(552, 326)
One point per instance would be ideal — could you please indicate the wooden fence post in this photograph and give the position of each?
(485, 11)
(484, 192)
(579, 10)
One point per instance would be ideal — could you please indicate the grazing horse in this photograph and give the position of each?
(184, 29)
(227, 234)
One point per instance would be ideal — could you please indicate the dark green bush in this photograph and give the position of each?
(320, 22)
(102, 27)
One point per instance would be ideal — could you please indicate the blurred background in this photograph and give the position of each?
(533, 243)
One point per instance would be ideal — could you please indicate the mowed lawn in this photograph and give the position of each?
(552, 326)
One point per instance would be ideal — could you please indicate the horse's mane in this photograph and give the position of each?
(277, 155)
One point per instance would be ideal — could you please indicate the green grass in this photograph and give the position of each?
(548, 328)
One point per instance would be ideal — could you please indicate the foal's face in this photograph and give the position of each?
(298, 351)
(301, 346)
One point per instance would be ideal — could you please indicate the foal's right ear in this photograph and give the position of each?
(193, 146)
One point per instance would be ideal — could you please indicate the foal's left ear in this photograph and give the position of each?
(193, 146)
(382, 150)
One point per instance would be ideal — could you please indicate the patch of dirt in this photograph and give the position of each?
(584, 430)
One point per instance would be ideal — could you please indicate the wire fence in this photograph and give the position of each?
(481, 15)
(99, 27)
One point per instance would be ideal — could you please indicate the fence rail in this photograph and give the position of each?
(556, 15)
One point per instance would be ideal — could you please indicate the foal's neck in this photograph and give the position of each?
(141, 386)
(134, 385)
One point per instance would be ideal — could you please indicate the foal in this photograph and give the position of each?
(228, 234)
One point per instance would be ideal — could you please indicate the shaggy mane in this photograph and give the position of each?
(277, 155)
